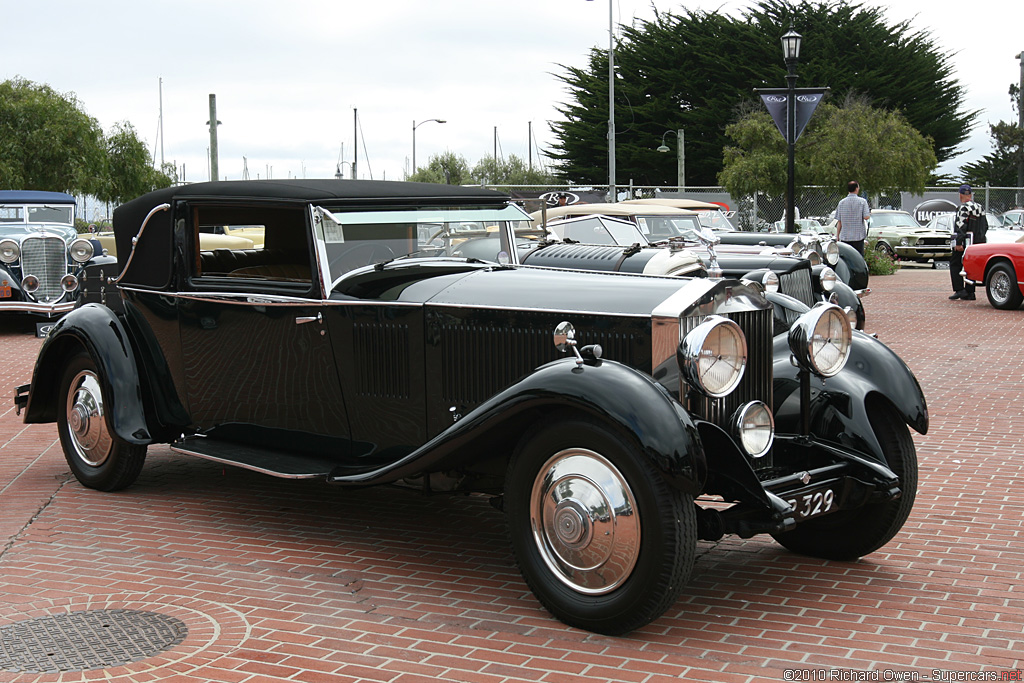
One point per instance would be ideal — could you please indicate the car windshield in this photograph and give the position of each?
(893, 220)
(658, 228)
(354, 239)
(596, 230)
(716, 220)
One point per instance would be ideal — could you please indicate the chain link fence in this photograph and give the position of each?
(811, 202)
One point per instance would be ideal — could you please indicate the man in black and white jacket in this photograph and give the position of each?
(968, 215)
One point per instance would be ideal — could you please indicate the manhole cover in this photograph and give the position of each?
(95, 639)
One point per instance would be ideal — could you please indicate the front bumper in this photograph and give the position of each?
(49, 310)
(924, 252)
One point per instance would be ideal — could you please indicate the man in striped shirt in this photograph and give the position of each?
(851, 216)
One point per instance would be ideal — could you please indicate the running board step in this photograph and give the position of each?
(275, 463)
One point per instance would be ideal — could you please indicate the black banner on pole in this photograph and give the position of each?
(776, 100)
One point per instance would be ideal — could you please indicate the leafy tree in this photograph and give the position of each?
(877, 147)
(692, 70)
(48, 142)
(447, 168)
(999, 168)
(130, 171)
(514, 171)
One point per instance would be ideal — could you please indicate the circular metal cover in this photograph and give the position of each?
(94, 639)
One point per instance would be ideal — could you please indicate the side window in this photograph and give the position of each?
(251, 245)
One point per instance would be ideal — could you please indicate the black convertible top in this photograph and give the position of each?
(154, 261)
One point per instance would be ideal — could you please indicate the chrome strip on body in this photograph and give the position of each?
(243, 465)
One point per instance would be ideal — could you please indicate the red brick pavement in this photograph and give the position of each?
(299, 581)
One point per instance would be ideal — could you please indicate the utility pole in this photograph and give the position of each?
(213, 123)
(1020, 129)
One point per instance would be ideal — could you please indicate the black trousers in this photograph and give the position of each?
(956, 264)
(856, 244)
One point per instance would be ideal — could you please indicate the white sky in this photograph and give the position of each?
(288, 75)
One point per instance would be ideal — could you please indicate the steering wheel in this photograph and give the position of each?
(362, 255)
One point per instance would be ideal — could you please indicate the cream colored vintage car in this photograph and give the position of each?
(207, 241)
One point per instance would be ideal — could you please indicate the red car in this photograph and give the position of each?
(1000, 267)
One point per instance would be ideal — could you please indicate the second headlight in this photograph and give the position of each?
(820, 339)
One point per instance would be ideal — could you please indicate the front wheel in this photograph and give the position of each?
(98, 458)
(850, 534)
(600, 537)
(1002, 289)
(884, 248)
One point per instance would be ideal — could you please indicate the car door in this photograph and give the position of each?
(255, 347)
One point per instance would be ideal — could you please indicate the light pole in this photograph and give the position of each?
(1020, 128)
(680, 156)
(791, 53)
(611, 104)
(414, 127)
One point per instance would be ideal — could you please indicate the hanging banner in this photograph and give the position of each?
(776, 101)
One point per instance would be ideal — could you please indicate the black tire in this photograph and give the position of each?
(578, 473)
(1001, 287)
(850, 534)
(98, 458)
(884, 248)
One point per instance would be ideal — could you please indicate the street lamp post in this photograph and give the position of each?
(414, 127)
(680, 156)
(1020, 127)
(791, 52)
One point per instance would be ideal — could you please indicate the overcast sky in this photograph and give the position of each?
(289, 76)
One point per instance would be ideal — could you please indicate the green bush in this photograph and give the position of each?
(879, 262)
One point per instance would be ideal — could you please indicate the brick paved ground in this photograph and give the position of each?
(281, 580)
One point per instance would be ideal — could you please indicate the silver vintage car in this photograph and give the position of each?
(41, 254)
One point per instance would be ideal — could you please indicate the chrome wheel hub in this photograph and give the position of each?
(584, 521)
(87, 425)
(1000, 286)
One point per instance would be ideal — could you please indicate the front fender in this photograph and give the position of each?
(96, 330)
(845, 297)
(839, 404)
(621, 398)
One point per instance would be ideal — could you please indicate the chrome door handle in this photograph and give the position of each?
(318, 318)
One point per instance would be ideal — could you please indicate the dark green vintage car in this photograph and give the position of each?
(615, 418)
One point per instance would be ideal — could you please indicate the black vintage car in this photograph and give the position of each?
(616, 419)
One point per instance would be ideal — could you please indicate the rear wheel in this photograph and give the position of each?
(849, 534)
(1001, 287)
(98, 458)
(600, 538)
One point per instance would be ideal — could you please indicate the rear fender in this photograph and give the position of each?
(96, 330)
(622, 399)
(839, 404)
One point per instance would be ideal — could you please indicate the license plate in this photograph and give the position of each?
(813, 502)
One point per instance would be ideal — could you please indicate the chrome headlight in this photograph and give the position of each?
(832, 253)
(770, 281)
(81, 250)
(9, 251)
(820, 339)
(812, 256)
(754, 428)
(30, 283)
(827, 279)
(904, 241)
(713, 356)
(69, 283)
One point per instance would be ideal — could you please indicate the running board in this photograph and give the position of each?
(275, 463)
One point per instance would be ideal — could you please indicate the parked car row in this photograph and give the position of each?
(399, 333)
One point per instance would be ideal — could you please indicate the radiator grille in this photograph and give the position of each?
(798, 285)
(46, 258)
